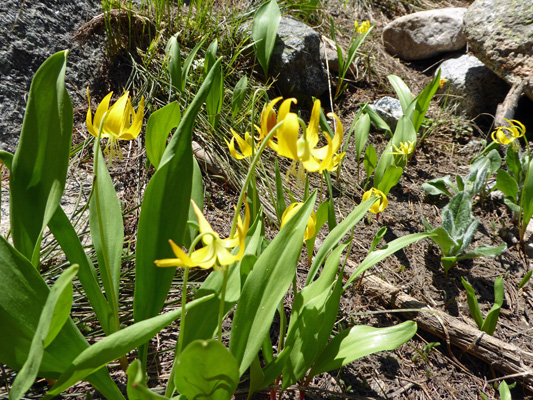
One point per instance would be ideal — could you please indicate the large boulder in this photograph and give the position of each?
(471, 86)
(296, 61)
(425, 34)
(500, 33)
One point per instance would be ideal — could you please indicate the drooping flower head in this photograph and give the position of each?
(380, 204)
(120, 122)
(508, 134)
(216, 251)
(291, 210)
(245, 145)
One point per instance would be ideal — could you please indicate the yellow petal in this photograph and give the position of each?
(115, 117)
(204, 226)
(288, 137)
(136, 124)
(311, 134)
(381, 202)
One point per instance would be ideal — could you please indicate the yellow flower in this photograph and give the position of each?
(216, 252)
(363, 28)
(269, 119)
(380, 204)
(121, 122)
(311, 223)
(245, 145)
(405, 150)
(303, 148)
(515, 130)
(442, 82)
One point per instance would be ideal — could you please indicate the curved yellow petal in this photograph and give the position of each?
(285, 108)
(311, 134)
(288, 136)
(381, 202)
(132, 131)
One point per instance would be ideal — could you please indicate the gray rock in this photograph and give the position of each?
(296, 61)
(500, 33)
(33, 30)
(425, 34)
(471, 86)
(389, 109)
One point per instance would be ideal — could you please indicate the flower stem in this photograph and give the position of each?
(222, 302)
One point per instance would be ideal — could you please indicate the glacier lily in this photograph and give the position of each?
(291, 210)
(216, 252)
(119, 122)
(245, 145)
(507, 135)
(405, 149)
(380, 204)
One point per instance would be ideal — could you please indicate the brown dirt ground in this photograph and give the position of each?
(416, 270)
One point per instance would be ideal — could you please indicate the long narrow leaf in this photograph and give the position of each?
(113, 347)
(265, 287)
(39, 169)
(264, 32)
(160, 123)
(58, 303)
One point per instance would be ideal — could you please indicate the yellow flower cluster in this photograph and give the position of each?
(289, 142)
(363, 28)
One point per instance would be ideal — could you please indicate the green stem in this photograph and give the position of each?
(522, 229)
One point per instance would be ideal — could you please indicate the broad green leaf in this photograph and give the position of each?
(188, 62)
(40, 163)
(512, 160)
(113, 347)
(390, 178)
(404, 93)
(370, 160)
(280, 200)
(308, 310)
(484, 251)
(265, 287)
(362, 129)
(23, 294)
(473, 305)
(137, 389)
(439, 186)
(423, 100)
(174, 63)
(377, 120)
(336, 235)
(160, 123)
(390, 248)
(491, 320)
(239, 95)
(265, 31)
(505, 392)
(107, 230)
(197, 195)
(55, 313)
(507, 184)
(69, 241)
(360, 341)
(206, 369)
(164, 214)
(213, 102)
(6, 158)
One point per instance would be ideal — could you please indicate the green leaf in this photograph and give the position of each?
(491, 320)
(188, 62)
(69, 241)
(55, 313)
(507, 184)
(527, 195)
(473, 305)
(336, 235)
(174, 64)
(377, 120)
(23, 294)
(483, 251)
(404, 93)
(137, 389)
(107, 230)
(265, 31)
(439, 186)
(370, 160)
(362, 129)
(197, 195)
(206, 369)
(113, 347)
(390, 178)
(525, 279)
(265, 287)
(239, 95)
(309, 309)
(505, 393)
(281, 206)
(164, 214)
(423, 100)
(390, 248)
(512, 160)
(360, 341)
(213, 102)
(159, 125)
(40, 164)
